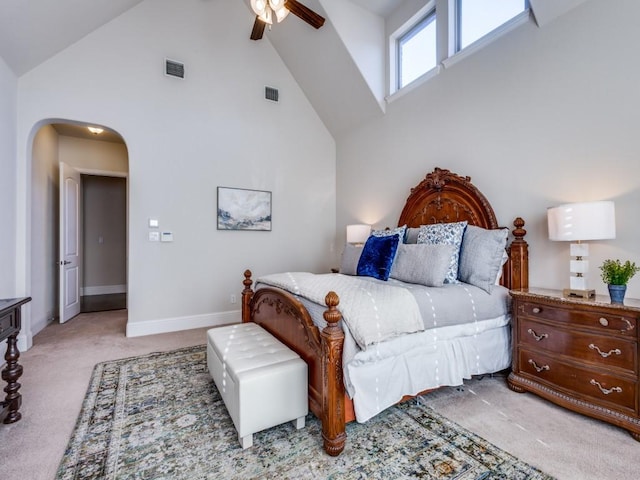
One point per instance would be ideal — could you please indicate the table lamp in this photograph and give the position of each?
(579, 222)
(358, 234)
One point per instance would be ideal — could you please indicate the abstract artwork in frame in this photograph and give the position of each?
(243, 209)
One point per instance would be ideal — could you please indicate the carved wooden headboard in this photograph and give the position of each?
(444, 197)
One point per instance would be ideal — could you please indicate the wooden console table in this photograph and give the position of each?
(10, 325)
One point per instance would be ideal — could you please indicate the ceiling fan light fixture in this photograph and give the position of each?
(95, 130)
(276, 4)
(259, 6)
(267, 16)
(281, 14)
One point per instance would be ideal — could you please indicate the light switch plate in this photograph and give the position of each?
(153, 223)
(154, 236)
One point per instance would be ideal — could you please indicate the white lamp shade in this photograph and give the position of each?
(358, 233)
(582, 221)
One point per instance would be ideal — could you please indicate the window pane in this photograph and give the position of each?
(476, 18)
(417, 51)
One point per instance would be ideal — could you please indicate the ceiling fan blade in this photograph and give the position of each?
(304, 13)
(258, 29)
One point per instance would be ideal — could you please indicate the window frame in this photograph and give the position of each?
(457, 5)
(447, 53)
(417, 27)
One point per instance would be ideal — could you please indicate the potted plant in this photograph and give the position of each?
(616, 275)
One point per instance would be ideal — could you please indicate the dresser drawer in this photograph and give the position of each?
(602, 320)
(581, 380)
(608, 351)
(7, 325)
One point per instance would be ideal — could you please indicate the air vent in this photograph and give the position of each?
(173, 68)
(271, 93)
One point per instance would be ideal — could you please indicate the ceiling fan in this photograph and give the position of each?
(265, 10)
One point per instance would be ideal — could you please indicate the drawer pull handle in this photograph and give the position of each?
(629, 326)
(616, 351)
(606, 391)
(604, 322)
(538, 369)
(536, 336)
(536, 310)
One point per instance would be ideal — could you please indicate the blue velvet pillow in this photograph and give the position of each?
(377, 256)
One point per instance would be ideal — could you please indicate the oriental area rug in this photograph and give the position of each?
(159, 416)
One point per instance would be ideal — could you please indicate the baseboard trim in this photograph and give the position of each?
(39, 325)
(166, 325)
(103, 290)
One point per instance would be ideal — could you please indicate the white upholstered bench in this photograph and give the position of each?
(262, 382)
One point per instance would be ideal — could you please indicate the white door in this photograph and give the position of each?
(69, 242)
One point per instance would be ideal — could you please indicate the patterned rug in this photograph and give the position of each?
(159, 416)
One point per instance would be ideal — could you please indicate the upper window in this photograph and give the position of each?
(417, 50)
(476, 18)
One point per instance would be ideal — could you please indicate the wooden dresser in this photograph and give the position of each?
(580, 354)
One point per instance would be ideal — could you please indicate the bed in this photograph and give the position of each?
(442, 197)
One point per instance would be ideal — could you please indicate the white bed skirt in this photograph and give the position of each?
(439, 358)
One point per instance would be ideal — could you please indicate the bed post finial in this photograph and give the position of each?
(247, 295)
(333, 423)
(519, 258)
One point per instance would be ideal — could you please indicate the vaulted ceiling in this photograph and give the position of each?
(344, 81)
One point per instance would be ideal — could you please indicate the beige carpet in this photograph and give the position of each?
(58, 367)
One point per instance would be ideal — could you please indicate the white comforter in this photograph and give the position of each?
(374, 312)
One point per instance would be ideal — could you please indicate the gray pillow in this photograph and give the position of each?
(412, 235)
(481, 255)
(350, 258)
(445, 234)
(421, 263)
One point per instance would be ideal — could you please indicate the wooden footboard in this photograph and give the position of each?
(282, 315)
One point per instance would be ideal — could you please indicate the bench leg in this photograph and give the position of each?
(299, 423)
(246, 441)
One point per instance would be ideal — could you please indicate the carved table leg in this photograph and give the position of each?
(11, 373)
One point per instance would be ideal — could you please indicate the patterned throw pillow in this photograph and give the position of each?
(400, 231)
(447, 234)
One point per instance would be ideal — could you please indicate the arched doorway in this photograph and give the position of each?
(101, 161)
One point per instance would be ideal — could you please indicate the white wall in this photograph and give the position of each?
(92, 155)
(540, 117)
(8, 99)
(44, 229)
(185, 138)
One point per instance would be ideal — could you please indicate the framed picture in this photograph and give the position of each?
(242, 209)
